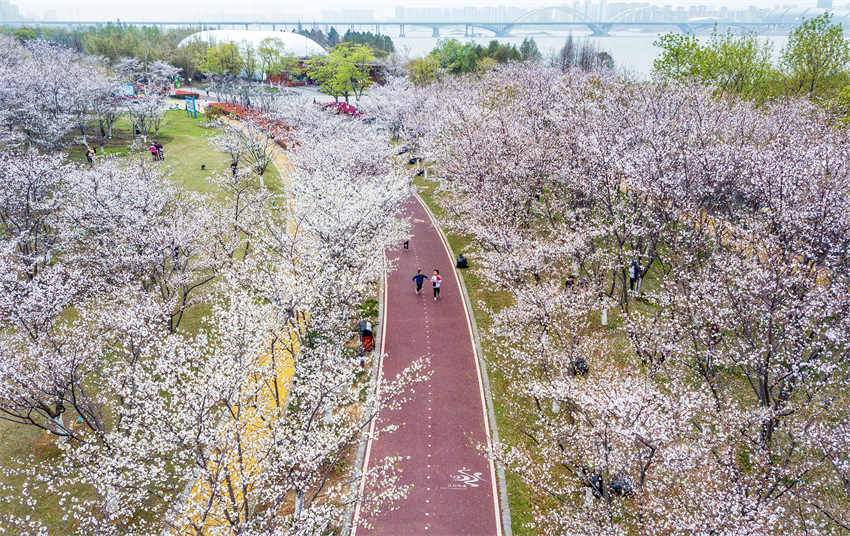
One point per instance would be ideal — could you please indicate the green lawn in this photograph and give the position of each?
(187, 148)
(186, 145)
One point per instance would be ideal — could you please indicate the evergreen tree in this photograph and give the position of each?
(528, 51)
(333, 37)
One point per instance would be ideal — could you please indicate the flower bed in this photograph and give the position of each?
(275, 128)
(343, 108)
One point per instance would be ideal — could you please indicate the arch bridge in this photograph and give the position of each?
(498, 29)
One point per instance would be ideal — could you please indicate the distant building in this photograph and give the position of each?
(825, 4)
(9, 11)
(349, 15)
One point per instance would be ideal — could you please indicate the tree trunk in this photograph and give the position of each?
(61, 429)
(299, 503)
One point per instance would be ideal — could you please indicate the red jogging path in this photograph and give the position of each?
(454, 486)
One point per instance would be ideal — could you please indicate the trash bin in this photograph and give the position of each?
(461, 262)
(367, 341)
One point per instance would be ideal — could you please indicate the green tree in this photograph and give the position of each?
(344, 71)
(455, 57)
(485, 64)
(680, 56)
(250, 62)
(224, 58)
(528, 50)
(816, 56)
(190, 58)
(423, 71)
(739, 64)
(381, 45)
(24, 34)
(274, 58)
(333, 37)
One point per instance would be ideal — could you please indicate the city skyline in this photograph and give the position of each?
(339, 9)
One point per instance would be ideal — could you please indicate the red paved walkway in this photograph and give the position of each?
(454, 486)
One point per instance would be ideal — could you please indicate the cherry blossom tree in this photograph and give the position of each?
(43, 109)
(146, 113)
(708, 405)
(205, 432)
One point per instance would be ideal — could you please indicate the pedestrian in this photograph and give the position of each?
(160, 150)
(419, 278)
(634, 274)
(153, 152)
(435, 282)
(233, 166)
(90, 156)
(406, 244)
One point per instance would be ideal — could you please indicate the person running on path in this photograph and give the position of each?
(435, 282)
(419, 278)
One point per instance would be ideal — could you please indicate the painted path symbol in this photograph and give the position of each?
(465, 478)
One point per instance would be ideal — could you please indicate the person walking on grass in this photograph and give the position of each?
(435, 282)
(419, 278)
(634, 275)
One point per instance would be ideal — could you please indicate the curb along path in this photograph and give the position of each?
(454, 486)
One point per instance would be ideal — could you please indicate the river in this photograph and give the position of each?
(632, 51)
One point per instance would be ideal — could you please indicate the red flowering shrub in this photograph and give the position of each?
(275, 128)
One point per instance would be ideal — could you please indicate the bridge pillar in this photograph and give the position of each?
(686, 28)
(600, 30)
(435, 31)
(246, 25)
(377, 29)
(466, 30)
(401, 30)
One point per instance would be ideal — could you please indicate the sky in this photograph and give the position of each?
(275, 9)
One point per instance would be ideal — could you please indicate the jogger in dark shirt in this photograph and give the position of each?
(419, 278)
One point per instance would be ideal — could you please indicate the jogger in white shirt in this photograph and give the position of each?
(435, 282)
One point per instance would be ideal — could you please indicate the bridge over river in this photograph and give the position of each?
(498, 29)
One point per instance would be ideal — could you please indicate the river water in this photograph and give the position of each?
(632, 51)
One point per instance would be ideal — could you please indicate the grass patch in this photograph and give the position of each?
(187, 148)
